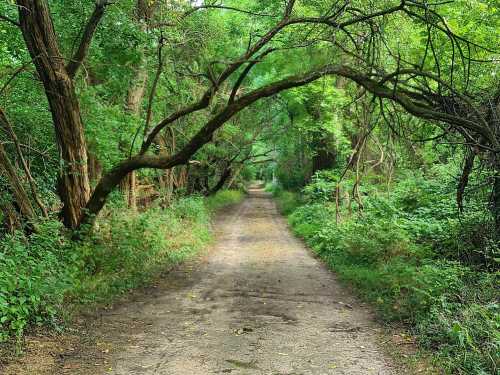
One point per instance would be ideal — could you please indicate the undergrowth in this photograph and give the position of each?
(287, 201)
(223, 199)
(46, 276)
(417, 261)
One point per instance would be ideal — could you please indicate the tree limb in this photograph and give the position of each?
(245, 73)
(88, 34)
(111, 179)
(224, 7)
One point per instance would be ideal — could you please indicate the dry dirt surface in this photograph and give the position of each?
(257, 302)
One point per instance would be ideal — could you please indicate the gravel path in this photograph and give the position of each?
(257, 303)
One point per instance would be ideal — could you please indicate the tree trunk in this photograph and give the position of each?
(11, 219)
(136, 92)
(94, 167)
(16, 187)
(235, 176)
(132, 191)
(135, 96)
(495, 202)
(40, 38)
(34, 190)
(222, 180)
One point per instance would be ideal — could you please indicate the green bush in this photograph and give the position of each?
(287, 201)
(130, 248)
(35, 274)
(465, 336)
(307, 220)
(322, 187)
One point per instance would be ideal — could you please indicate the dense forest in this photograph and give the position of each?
(375, 124)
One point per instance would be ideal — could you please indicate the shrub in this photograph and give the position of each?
(465, 333)
(307, 220)
(286, 201)
(130, 248)
(322, 187)
(35, 274)
(46, 275)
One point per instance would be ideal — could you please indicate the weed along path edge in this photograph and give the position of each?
(257, 303)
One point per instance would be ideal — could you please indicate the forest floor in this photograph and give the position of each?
(256, 302)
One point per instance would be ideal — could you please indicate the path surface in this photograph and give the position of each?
(259, 304)
(256, 303)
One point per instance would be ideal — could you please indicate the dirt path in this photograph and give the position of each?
(257, 303)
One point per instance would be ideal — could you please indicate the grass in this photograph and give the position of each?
(224, 198)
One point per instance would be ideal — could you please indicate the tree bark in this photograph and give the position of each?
(94, 167)
(39, 35)
(235, 176)
(16, 187)
(11, 219)
(134, 100)
(136, 92)
(135, 96)
(20, 155)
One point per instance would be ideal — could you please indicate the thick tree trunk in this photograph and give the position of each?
(135, 96)
(136, 92)
(40, 38)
